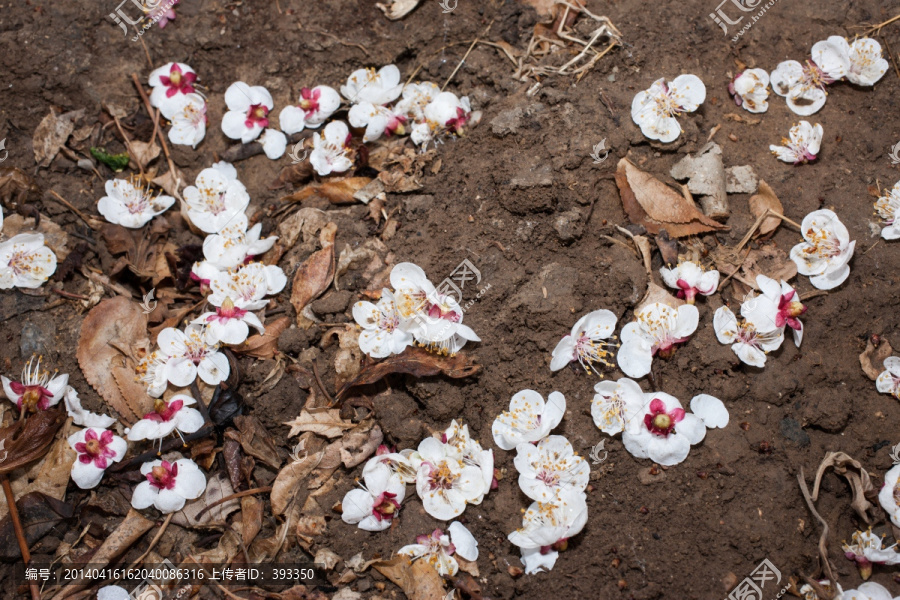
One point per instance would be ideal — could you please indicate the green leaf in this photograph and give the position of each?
(116, 162)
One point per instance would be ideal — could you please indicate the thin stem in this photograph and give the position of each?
(20, 532)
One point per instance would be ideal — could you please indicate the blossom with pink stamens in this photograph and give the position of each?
(656, 330)
(666, 432)
(316, 105)
(587, 343)
(374, 507)
(96, 450)
(230, 322)
(749, 340)
(802, 145)
(166, 417)
(549, 468)
(438, 548)
(690, 279)
(168, 82)
(248, 111)
(168, 485)
(825, 253)
(36, 390)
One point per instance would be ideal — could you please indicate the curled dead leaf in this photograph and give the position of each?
(110, 329)
(418, 580)
(763, 201)
(359, 444)
(51, 134)
(872, 358)
(339, 191)
(417, 362)
(29, 439)
(650, 202)
(264, 345)
(315, 275)
(323, 421)
(658, 294)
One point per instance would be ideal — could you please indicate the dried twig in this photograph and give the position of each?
(824, 563)
(880, 25)
(466, 55)
(890, 54)
(68, 205)
(20, 532)
(162, 139)
(259, 490)
(159, 534)
(322, 385)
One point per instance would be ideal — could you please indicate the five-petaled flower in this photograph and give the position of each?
(166, 417)
(690, 279)
(867, 549)
(750, 89)
(656, 330)
(751, 337)
(230, 322)
(169, 485)
(825, 253)
(804, 86)
(654, 109)
(248, 111)
(802, 146)
(188, 354)
(189, 120)
(438, 548)
(666, 432)
(131, 205)
(550, 468)
(778, 307)
(616, 404)
(374, 507)
(381, 335)
(587, 343)
(331, 149)
(96, 450)
(169, 82)
(316, 105)
(235, 245)
(25, 262)
(867, 65)
(529, 418)
(547, 527)
(367, 85)
(36, 390)
(216, 198)
(444, 482)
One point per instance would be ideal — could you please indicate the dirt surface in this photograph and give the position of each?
(519, 197)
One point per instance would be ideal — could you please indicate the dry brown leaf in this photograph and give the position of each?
(255, 440)
(418, 580)
(264, 345)
(331, 460)
(651, 203)
(49, 476)
(359, 444)
(397, 9)
(770, 261)
(347, 360)
(851, 470)
(323, 421)
(251, 518)
(111, 326)
(217, 487)
(339, 191)
(872, 358)
(293, 174)
(763, 201)
(314, 275)
(130, 530)
(142, 153)
(308, 452)
(398, 182)
(417, 362)
(171, 182)
(658, 294)
(26, 440)
(51, 134)
(306, 221)
(353, 256)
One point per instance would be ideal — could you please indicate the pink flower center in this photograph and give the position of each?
(163, 412)
(257, 115)
(32, 398)
(441, 478)
(227, 312)
(660, 422)
(456, 125)
(788, 311)
(310, 101)
(435, 311)
(95, 449)
(163, 476)
(178, 81)
(385, 506)
(686, 291)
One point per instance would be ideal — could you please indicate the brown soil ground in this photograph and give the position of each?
(692, 531)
